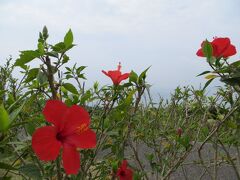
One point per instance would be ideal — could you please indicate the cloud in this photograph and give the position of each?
(117, 16)
(161, 33)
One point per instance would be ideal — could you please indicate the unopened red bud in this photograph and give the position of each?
(179, 132)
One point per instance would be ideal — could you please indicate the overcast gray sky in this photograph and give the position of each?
(162, 33)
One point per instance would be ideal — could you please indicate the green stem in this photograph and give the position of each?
(51, 78)
(59, 175)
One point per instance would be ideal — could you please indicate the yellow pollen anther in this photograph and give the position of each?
(82, 128)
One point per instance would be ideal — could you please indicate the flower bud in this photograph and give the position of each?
(179, 132)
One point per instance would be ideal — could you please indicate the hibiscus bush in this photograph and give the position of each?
(53, 127)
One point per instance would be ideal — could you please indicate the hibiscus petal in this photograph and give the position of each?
(84, 140)
(129, 174)
(123, 77)
(45, 144)
(76, 117)
(124, 164)
(200, 53)
(71, 159)
(221, 45)
(105, 73)
(221, 42)
(230, 51)
(123, 172)
(54, 112)
(114, 75)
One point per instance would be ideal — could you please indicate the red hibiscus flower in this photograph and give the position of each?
(116, 75)
(70, 130)
(123, 172)
(222, 47)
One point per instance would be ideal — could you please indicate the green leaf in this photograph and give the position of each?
(207, 49)
(69, 76)
(218, 64)
(185, 141)
(199, 93)
(40, 39)
(235, 75)
(27, 102)
(68, 69)
(205, 131)
(4, 119)
(211, 76)
(18, 101)
(10, 99)
(114, 165)
(95, 86)
(52, 54)
(68, 39)
(70, 88)
(41, 48)
(68, 102)
(235, 64)
(64, 90)
(133, 77)
(127, 102)
(142, 76)
(41, 77)
(65, 59)
(69, 47)
(26, 56)
(6, 166)
(205, 72)
(230, 81)
(30, 127)
(2, 92)
(85, 97)
(207, 84)
(32, 74)
(136, 176)
(223, 70)
(80, 69)
(59, 47)
(81, 76)
(231, 124)
(31, 170)
(13, 115)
